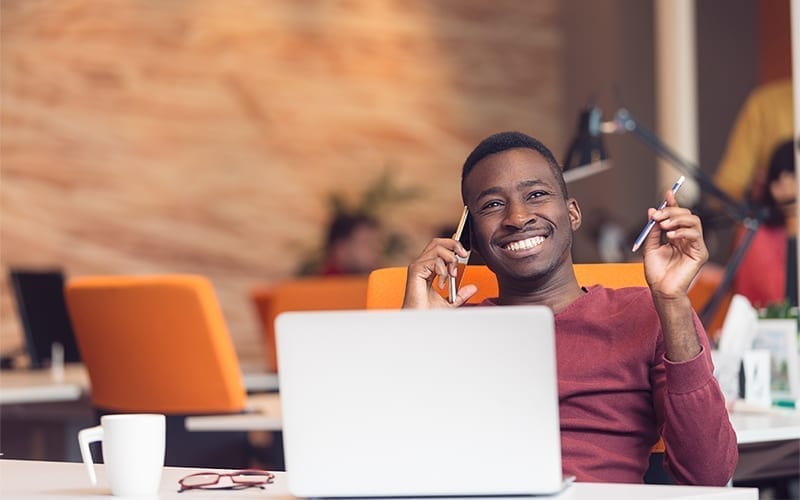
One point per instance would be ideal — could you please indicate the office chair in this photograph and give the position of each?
(160, 344)
(304, 294)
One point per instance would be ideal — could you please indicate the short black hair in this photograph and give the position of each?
(344, 225)
(503, 141)
(782, 160)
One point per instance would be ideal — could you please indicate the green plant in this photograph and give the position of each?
(778, 310)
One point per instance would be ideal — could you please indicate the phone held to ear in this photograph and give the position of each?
(461, 235)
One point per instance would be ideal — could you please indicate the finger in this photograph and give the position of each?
(464, 294)
(683, 232)
(436, 245)
(668, 213)
(678, 220)
(442, 272)
(685, 236)
(669, 196)
(422, 269)
(452, 245)
(653, 239)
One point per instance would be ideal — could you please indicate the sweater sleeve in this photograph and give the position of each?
(699, 440)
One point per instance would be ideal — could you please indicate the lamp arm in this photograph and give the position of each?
(742, 212)
(710, 308)
(624, 123)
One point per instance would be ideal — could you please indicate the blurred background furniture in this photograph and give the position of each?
(160, 344)
(39, 296)
(304, 294)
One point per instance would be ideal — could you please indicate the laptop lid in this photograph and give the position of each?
(420, 402)
(43, 314)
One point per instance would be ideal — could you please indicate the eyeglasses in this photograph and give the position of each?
(241, 479)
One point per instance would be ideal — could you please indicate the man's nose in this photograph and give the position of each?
(518, 216)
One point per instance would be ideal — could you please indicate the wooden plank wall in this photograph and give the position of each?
(204, 136)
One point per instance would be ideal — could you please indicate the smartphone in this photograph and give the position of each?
(462, 236)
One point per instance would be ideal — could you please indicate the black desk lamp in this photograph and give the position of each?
(586, 154)
(592, 127)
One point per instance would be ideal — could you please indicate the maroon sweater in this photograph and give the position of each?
(618, 394)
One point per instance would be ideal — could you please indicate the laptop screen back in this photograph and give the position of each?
(420, 403)
(43, 314)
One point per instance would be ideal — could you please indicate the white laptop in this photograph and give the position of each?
(420, 403)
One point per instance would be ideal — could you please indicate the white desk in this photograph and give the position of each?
(63, 480)
(256, 381)
(751, 427)
(265, 415)
(39, 386)
(771, 425)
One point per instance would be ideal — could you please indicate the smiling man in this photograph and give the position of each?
(634, 364)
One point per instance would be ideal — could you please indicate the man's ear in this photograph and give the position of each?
(575, 216)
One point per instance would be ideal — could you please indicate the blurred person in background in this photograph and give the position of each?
(765, 120)
(354, 245)
(768, 273)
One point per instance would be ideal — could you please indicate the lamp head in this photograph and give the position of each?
(586, 154)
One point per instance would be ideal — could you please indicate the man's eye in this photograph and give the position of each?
(538, 194)
(491, 204)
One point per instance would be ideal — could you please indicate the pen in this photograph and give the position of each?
(651, 222)
(457, 236)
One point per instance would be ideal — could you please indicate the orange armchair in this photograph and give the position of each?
(304, 294)
(160, 344)
(155, 344)
(386, 287)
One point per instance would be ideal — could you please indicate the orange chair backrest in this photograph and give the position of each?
(155, 344)
(386, 286)
(317, 293)
(611, 275)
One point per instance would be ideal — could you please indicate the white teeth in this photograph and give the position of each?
(525, 244)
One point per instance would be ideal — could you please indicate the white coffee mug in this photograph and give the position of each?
(133, 452)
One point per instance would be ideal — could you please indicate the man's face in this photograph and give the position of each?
(521, 224)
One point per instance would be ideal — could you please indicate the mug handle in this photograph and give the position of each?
(85, 437)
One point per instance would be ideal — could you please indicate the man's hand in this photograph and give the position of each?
(670, 267)
(433, 268)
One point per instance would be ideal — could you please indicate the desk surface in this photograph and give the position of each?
(775, 424)
(751, 426)
(40, 386)
(63, 480)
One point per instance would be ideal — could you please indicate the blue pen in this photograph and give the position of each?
(651, 222)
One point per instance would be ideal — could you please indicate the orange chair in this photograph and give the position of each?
(157, 344)
(304, 294)
(386, 286)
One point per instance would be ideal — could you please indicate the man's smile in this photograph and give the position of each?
(528, 243)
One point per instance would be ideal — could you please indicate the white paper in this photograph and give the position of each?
(738, 331)
(739, 328)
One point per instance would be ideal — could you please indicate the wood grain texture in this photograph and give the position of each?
(205, 136)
